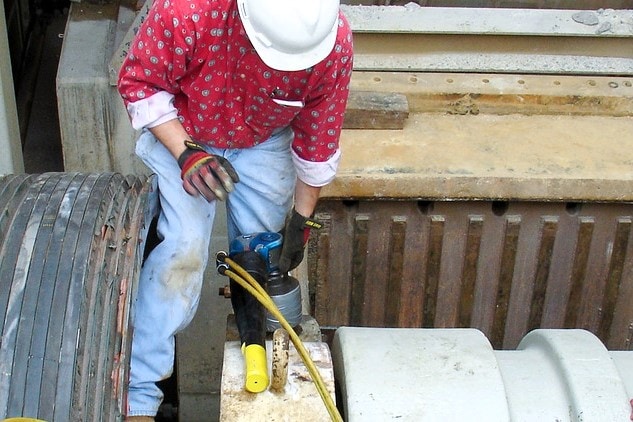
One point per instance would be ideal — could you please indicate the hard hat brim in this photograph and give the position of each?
(279, 60)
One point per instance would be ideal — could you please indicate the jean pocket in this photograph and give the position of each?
(278, 143)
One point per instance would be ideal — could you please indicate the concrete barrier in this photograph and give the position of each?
(10, 143)
(452, 374)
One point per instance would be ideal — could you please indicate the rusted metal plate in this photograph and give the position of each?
(502, 267)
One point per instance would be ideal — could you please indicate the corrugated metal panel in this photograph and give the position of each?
(502, 267)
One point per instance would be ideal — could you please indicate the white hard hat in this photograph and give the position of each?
(290, 34)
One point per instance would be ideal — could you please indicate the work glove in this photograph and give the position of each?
(206, 174)
(295, 233)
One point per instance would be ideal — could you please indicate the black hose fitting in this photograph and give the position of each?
(220, 262)
(222, 268)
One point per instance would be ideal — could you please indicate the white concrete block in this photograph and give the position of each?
(300, 400)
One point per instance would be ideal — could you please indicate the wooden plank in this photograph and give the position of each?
(376, 110)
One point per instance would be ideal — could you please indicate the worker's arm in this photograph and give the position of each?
(306, 198)
(172, 135)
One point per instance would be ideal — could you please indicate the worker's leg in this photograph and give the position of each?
(264, 194)
(170, 280)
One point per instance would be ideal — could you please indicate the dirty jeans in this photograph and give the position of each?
(171, 276)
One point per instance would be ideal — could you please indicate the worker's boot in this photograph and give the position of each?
(139, 419)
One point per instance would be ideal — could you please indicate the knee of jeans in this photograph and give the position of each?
(182, 282)
(185, 265)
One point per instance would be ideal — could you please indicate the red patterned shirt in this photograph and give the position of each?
(191, 59)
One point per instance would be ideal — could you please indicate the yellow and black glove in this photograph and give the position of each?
(295, 233)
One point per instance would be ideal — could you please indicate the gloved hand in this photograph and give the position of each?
(206, 174)
(296, 234)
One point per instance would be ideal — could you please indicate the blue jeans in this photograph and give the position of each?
(172, 275)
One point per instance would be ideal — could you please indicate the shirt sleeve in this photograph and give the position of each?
(318, 127)
(316, 173)
(152, 111)
(157, 60)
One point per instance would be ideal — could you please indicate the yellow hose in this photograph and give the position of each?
(251, 285)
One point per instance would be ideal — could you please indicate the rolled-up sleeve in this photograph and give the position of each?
(317, 128)
(152, 111)
(316, 173)
(157, 60)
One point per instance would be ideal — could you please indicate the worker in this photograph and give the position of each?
(238, 101)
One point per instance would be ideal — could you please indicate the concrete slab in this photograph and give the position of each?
(499, 94)
(11, 160)
(199, 407)
(95, 128)
(418, 374)
(454, 375)
(561, 158)
(493, 40)
(299, 400)
(413, 18)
